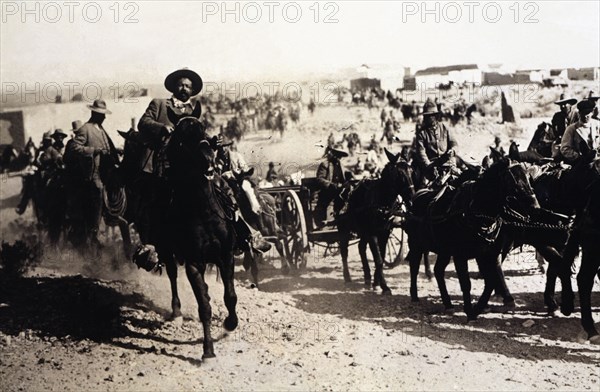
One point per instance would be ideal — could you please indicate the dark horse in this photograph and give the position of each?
(368, 213)
(463, 224)
(590, 261)
(200, 224)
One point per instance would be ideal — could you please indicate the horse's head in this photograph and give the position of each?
(245, 190)
(397, 176)
(513, 151)
(506, 182)
(188, 150)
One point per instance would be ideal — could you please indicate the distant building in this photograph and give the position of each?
(535, 75)
(364, 83)
(591, 73)
(432, 77)
(410, 83)
(389, 77)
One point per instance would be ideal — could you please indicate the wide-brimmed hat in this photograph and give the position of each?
(430, 108)
(565, 101)
(99, 106)
(335, 152)
(76, 125)
(586, 106)
(173, 77)
(59, 133)
(47, 135)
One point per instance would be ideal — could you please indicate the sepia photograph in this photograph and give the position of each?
(300, 195)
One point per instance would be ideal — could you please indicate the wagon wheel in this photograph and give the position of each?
(396, 248)
(293, 224)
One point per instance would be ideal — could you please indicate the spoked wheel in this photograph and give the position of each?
(396, 244)
(395, 249)
(293, 224)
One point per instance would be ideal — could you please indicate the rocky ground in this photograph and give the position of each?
(85, 324)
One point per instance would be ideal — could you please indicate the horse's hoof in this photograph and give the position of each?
(210, 355)
(595, 339)
(176, 320)
(285, 270)
(509, 304)
(471, 315)
(230, 323)
(414, 299)
(386, 291)
(567, 307)
(429, 275)
(551, 305)
(367, 283)
(485, 310)
(347, 278)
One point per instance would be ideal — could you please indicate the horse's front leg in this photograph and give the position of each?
(560, 269)
(462, 270)
(427, 266)
(589, 269)
(414, 259)
(166, 256)
(379, 278)
(441, 264)
(362, 250)
(195, 274)
(343, 243)
(229, 296)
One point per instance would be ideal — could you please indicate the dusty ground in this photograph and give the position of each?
(74, 324)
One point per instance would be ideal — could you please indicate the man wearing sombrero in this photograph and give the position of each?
(52, 157)
(432, 140)
(94, 155)
(560, 118)
(162, 115)
(155, 126)
(330, 178)
(583, 137)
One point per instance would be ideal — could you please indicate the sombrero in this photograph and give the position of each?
(592, 96)
(173, 77)
(586, 106)
(565, 101)
(99, 106)
(430, 108)
(335, 152)
(59, 133)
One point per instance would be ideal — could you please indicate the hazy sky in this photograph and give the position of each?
(169, 35)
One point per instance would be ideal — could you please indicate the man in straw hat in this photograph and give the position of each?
(583, 137)
(560, 119)
(95, 154)
(432, 141)
(330, 178)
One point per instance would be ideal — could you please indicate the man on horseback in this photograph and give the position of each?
(583, 137)
(156, 126)
(330, 177)
(433, 140)
(96, 155)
